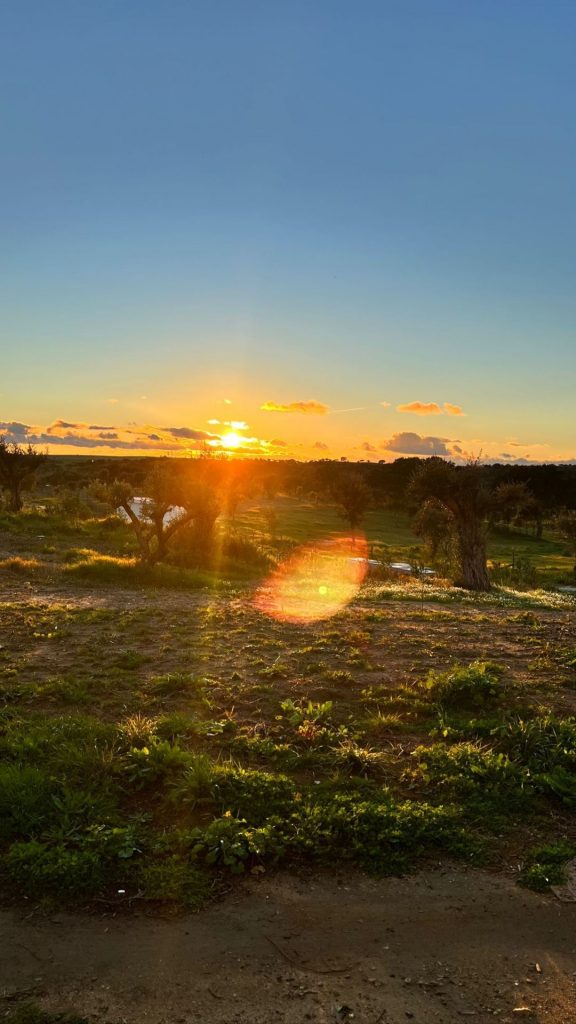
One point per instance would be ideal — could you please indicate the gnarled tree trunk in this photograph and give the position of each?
(472, 556)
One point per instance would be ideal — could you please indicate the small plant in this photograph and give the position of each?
(137, 730)
(160, 760)
(176, 879)
(196, 785)
(479, 777)
(546, 866)
(299, 711)
(41, 869)
(474, 686)
(25, 800)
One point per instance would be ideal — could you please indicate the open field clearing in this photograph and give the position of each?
(168, 748)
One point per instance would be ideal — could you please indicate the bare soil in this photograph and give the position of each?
(441, 946)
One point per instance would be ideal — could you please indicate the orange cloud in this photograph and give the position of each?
(421, 408)
(431, 409)
(308, 408)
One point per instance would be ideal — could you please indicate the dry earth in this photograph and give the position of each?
(440, 947)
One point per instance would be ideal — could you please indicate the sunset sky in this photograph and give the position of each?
(296, 228)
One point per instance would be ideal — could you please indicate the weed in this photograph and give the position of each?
(474, 686)
(176, 879)
(546, 865)
(41, 869)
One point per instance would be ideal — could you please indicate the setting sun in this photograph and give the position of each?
(231, 440)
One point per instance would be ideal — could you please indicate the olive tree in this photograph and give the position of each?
(353, 497)
(465, 493)
(18, 465)
(166, 491)
(566, 526)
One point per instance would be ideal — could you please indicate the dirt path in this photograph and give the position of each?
(440, 947)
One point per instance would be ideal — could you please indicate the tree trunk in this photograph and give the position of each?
(472, 552)
(15, 503)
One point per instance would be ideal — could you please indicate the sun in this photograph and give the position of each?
(231, 440)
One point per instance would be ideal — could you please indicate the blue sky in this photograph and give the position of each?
(347, 203)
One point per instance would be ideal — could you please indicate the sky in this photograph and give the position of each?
(289, 228)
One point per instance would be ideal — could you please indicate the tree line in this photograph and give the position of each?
(452, 505)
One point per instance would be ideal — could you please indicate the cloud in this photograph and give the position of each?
(108, 435)
(58, 425)
(112, 401)
(320, 446)
(278, 443)
(310, 408)
(408, 443)
(15, 430)
(190, 434)
(431, 409)
(367, 447)
(421, 408)
(385, 405)
(153, 437)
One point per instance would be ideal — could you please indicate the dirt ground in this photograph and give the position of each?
(438, 947)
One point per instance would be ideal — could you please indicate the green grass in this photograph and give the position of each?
(167, 737)
(390, 536)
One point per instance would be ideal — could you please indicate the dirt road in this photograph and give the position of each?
(440, 947)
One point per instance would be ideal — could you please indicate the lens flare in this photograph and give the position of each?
(316, 582)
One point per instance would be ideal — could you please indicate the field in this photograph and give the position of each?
(162, 741)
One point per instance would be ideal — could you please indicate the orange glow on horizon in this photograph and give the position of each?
(318, 581)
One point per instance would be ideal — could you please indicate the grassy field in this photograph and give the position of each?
(158, 733)
(390, 536)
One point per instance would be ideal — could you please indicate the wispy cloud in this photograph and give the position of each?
(309, 408)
